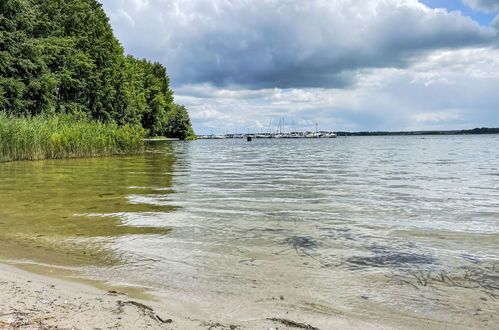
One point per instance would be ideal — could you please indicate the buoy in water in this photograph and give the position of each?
(249, 138)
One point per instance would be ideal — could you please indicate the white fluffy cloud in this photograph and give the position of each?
(483, 5)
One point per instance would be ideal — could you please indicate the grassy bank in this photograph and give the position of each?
(64, 136)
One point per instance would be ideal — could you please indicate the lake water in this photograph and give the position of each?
(360, 226)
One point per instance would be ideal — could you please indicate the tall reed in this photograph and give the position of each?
(65, 136)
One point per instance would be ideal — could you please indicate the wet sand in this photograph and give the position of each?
(31, 301)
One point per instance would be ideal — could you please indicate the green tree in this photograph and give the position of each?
(61, 56)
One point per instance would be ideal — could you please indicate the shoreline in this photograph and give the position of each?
(34, 301)
(30, 300)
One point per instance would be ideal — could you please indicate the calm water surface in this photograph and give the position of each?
(358, 225)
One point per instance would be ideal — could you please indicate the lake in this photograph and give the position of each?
(360, 226)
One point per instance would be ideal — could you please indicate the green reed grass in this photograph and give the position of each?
(64, 136)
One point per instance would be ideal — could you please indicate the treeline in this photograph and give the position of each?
(60, 57)
(483, 130)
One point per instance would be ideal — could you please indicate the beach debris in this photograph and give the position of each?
(293, 324)
(163, 321)
(138, 304)
(22, 320)
(217, 325)
(146, 310)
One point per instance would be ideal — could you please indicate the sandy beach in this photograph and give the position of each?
(32, 301)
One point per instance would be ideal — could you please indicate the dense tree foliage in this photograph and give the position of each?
(61, 57)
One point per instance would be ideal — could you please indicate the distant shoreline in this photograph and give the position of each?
(483, 130)
(474, 131)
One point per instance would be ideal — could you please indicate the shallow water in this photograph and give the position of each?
(357, 225)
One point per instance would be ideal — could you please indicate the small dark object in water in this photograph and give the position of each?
(294, 324)
(303, 242)
(249, 138)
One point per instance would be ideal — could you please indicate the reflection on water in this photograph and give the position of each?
(350, 225)
(73, 204)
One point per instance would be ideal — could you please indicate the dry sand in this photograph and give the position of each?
(31, 301)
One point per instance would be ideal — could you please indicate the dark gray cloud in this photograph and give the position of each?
(288, 43)
(495, 25)
(450, 89)
(487, 6)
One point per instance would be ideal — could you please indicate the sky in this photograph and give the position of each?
(347, 65)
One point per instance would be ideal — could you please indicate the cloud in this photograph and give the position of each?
(495, 24)
(487, 6)
(241, 44)
(241, 65)
(436, 117)
(447, 89)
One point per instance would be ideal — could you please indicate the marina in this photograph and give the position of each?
(291, 135)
